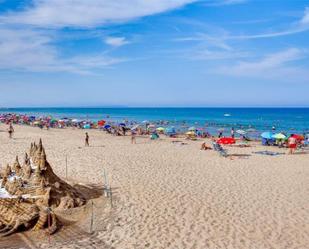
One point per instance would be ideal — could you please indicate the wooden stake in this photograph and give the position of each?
(111, 195)
(66, 166)
(91, 222)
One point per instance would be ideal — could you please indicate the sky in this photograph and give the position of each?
(156, 53)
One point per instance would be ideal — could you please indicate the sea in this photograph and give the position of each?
(288, 120)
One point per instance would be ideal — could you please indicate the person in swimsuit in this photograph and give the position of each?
(11, 131)
(232, 133)
(87, 140)
(292, 143)
(133, 138)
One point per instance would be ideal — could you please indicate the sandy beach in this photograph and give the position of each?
(172, 195)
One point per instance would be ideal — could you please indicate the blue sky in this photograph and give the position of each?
(154, 53)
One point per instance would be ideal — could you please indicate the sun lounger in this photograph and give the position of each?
(217, 147)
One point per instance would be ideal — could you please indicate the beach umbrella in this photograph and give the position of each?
(170, 130)
(160, 129)
(226, 140)
(298, 137)
(87, 126)
(221, 129)
(190, 133)
(75, 120)
(101, 122)
(267, 135)
(145, 122)
(279, 136)
(107, 126)
(251, 130)
(241, 132)
(192, 128)
(135, 127)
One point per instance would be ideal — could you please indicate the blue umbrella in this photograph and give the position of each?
(122, 124)
(107, 126)
(170, 130)
(267, 135)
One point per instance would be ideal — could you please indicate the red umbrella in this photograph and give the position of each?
(298, 137)
(101, 122)
(226, 140)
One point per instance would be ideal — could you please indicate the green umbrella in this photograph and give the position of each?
(279, 136)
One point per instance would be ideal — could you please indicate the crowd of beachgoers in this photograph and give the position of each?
(155, 129)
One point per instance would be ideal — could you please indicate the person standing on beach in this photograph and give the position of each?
(87, 140)
(292, 143)
(133, 138)
(232, 133)
(11, 131)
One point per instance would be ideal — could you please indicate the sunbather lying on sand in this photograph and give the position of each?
(204, 146)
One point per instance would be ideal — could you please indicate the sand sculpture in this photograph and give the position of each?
(29, 194)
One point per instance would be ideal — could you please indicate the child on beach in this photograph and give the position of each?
(87, 140)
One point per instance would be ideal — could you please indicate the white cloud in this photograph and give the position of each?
(224, 2)
(274, 66)
(89, 13)
(116, 41)
(27, 40)
(300, 26)
(32, 50)
(210, 55)
(305, 19)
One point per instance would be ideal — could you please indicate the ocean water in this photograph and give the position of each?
(290, 120)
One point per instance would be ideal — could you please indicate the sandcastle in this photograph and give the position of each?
(29, 194)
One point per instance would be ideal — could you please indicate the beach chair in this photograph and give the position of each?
(217, 147)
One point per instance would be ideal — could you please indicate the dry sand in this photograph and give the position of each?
(168, 195)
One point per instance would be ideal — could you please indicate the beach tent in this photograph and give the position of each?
(279, 136)
(267, 135)
(87, 126)
(226, 140)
